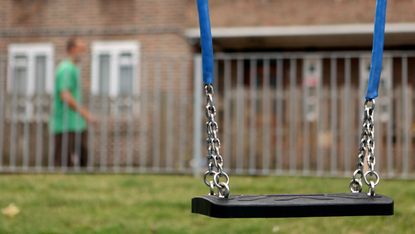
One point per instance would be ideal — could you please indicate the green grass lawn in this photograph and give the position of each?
(161, 204)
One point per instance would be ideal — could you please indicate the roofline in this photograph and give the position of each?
(312, 30)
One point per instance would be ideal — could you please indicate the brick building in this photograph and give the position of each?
(139, 50)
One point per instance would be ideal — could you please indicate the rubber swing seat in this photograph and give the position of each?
(286, 206)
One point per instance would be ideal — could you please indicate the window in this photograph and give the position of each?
(126, 82)
(385, 84)
(312, 72)
(115, 74)
(30, 80)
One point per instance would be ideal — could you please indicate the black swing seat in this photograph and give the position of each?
(286, 206)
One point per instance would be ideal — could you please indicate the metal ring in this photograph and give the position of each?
(217, 176)
(223, 190)
(208, 173)
(371, 173)
(355, 186)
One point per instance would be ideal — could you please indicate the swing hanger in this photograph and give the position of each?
(220, 204)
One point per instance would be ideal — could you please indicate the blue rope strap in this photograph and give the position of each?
(377, 50)
(205, 40)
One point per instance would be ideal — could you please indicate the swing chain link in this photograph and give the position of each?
(366, 147)
(214, 160)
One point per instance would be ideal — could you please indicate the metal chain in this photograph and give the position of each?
(215, 172)
(367, 147)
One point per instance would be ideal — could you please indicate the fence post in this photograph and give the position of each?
(197, 115)
(2, 107)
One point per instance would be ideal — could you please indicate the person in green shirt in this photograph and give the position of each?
(68, 122)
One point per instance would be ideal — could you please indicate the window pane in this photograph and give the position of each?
(40, 74)
(126, 82)
(19, 76)
(104, 69)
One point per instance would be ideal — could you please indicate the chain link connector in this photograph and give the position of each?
(214, 159)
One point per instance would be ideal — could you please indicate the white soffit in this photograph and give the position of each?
(314, 30)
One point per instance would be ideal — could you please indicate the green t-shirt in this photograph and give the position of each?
(64, 118)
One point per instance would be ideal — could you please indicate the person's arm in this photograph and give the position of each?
(67, 98)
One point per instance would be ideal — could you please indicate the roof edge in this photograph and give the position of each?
(300, 30)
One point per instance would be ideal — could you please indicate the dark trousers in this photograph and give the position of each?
(71, 147)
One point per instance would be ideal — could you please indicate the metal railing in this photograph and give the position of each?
(147, 132)
(279, 113)
(301, 113)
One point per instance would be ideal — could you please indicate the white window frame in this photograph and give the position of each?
(114, 49)
(312, 79)
(384, 99)
(30, 50)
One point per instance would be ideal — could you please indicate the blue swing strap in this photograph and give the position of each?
(205, 41)
(215, 177)
(367, 141)
(377, 50)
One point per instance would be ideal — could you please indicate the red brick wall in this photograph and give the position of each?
(157, 24)
(87, 13)
(232, 13)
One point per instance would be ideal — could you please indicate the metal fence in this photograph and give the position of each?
(278, 113)
(301, 113)
(148, 131)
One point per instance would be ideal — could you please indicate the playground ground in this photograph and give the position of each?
(161, 204)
